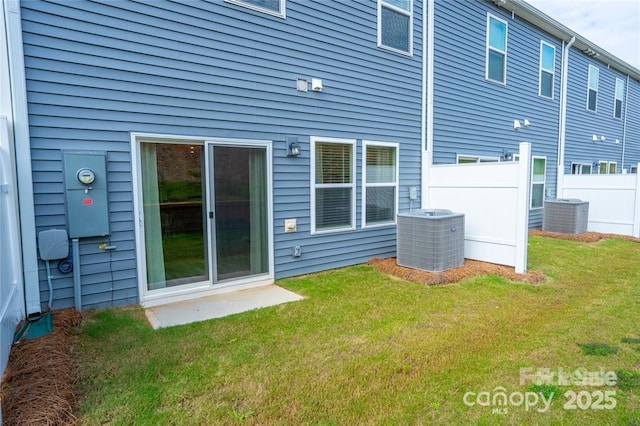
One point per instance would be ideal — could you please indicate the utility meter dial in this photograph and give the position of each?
(86, 176)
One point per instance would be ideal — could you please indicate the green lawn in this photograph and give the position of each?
(364, 348)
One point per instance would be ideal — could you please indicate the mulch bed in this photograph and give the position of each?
(38, 384)
(470, 268)
(587, 237)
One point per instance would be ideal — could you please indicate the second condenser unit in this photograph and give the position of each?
(566, 216)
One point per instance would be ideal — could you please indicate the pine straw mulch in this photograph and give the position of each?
(586, 237)
(470, 268)
(38, 384)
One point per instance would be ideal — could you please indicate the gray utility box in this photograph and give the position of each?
(85, 188)
(565, 216)
(431, 240)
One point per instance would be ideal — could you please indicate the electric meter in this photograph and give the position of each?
(86, 176)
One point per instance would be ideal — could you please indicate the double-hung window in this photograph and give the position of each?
(395, 23)
(592, 88)
(272, 7)
(547, 69)
(465, 159)
(496, 63)
(379, 183)
(619, 98)
(539, 171)
(607, 167)
(581, 168)
(333, 184)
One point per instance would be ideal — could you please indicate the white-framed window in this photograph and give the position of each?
(592, 88)
(538, 177)
(395, 25)
(607, 167)
(380, 171)
(633, 169)
(581, 168)
(272, 7)
(467, 159)
(333, 184)
(618, 98)
(547, 70)
(496, 50)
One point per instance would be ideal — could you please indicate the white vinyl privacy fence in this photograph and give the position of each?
(614, 201)
(11, 296)
(494, 198)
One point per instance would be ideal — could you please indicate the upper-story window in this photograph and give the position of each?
(395, 21)
(496, 65)
(272, 7)
(547, 69)
(592, 88)
(619, 98)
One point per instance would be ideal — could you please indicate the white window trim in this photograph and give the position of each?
(313, 185)
(589, 88)
(553, 71)
(581, 166)
(365, 145)
(615, 98)
(488, 48)
(281, 14)
(543, 183)
(476, 159)
(404, 12)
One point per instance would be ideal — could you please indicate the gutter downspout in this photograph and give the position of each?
(624, 123)
(563, 116)
(427, 100)
(23, 157)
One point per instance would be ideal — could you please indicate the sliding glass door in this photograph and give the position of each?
(194, 240)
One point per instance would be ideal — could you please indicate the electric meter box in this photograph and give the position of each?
(85, 188)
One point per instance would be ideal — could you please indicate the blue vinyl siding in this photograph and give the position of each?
(632, 139)
(97, 71)
(582, 124)
(474, 116)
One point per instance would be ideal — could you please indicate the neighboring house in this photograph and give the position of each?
(487, 76)
(197, 147)
(603, 113)
(499, 66)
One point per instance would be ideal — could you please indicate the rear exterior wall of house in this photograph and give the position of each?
(98, 72)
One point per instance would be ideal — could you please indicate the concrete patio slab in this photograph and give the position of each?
(218, 306)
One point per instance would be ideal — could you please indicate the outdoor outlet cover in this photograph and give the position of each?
(290, 225)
